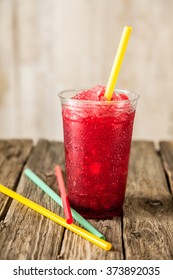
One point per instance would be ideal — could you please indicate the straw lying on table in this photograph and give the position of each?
(63, 193)
(59, 220)
(30, 174)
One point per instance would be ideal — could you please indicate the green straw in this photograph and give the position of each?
(33, 177)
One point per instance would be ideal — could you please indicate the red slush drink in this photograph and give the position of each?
(97, 139)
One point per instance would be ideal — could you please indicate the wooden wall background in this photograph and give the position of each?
(50, 45)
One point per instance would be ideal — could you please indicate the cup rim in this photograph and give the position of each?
(134, 97)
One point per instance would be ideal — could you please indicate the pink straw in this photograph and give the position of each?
(63, 194)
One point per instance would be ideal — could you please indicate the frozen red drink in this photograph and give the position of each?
(97, 139)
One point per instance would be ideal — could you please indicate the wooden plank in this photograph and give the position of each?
(13, 155)
(166, 149)
(27, 234)
(75, 247)
(31, 236)
(148, 209)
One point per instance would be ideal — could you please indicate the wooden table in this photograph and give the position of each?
(145, 230)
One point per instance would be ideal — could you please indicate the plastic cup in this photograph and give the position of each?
(97, 140)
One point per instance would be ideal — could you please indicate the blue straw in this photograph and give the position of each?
(33, 177)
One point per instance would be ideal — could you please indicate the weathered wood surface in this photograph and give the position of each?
(75, 247)
(28, 235)
(148, 208)
(167, 157)
(145, 230)
(13, 155)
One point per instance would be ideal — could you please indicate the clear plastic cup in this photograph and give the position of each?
(97, 140)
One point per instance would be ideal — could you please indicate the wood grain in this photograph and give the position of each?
(27, 234)
(145, 231)
(166, 149)
(75, 247)
(148, 209)
(31, 236)
(13, 155)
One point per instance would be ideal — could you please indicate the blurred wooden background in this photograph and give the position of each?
(50, 45)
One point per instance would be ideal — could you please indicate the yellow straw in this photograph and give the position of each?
(117, 62)
(59, 220)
